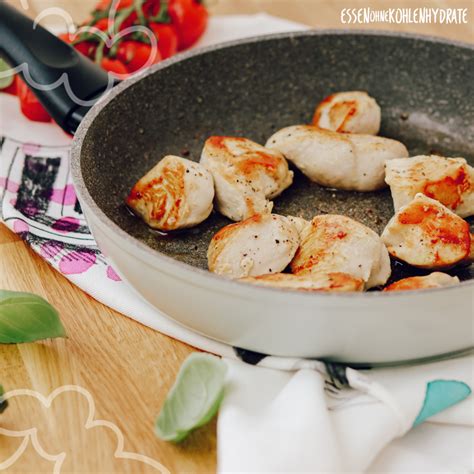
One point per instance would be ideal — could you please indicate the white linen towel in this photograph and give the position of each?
(273, 420)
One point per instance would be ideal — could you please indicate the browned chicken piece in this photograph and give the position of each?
(300, 223)
(349, 112)
(263, 243)
(426, 234)
(175, 194)
(350, 161)
(333, 243)
(311, 282)
(448, 180)
(246, 175)
(433, 280)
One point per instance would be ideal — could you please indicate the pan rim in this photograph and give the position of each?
(191, 271)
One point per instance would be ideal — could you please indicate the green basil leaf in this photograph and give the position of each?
(3, 402)
(194, 398)
(5, 81)
(25, 317)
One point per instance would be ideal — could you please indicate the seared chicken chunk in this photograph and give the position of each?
(433, 280)
(246, 175)
(311, 282)
(261, 244)
(175, 194)
(335, 243)
(353, 112)
(426, 234)
(344, 161)
(300, 223)
(448, 180)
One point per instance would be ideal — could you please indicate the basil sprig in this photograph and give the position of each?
(7, 78)
(25, 317)
(194, 398)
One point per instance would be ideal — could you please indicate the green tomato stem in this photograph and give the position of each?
(163, 15)
(138, 5)
(99, 54)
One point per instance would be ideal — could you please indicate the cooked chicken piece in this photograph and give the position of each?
(353, 112)
(175, 194)
(311, 282)
(261, 244)
(426, 234)
(433, 280)
(246, 175)
(448, 180)
(339, 244)
(344, 161)
(300, 223)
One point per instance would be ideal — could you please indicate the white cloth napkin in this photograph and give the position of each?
(280, 414)
(298, 421)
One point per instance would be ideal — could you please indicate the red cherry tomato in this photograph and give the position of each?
(103, 24)
(104, 4)
(134, 55)
(189, 17)
(114, 66)
(11, 89)
(66, 37)
(149, 8)
(167, 39)
(129, 21)
(87, 48)
(29, 104)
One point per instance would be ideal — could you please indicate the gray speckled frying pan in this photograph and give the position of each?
(252, 88)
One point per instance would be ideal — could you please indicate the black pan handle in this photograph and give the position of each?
(49, 60)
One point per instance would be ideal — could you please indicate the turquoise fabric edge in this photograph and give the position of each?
(440, 395)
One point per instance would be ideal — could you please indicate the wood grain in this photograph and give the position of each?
(127, 368)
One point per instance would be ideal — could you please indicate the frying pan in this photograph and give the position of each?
(252, 88)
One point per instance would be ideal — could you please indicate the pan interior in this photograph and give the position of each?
(425, 90)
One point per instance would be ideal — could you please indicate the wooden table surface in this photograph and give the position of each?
(125, 367)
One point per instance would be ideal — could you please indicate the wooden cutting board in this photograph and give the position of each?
(126, 369)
